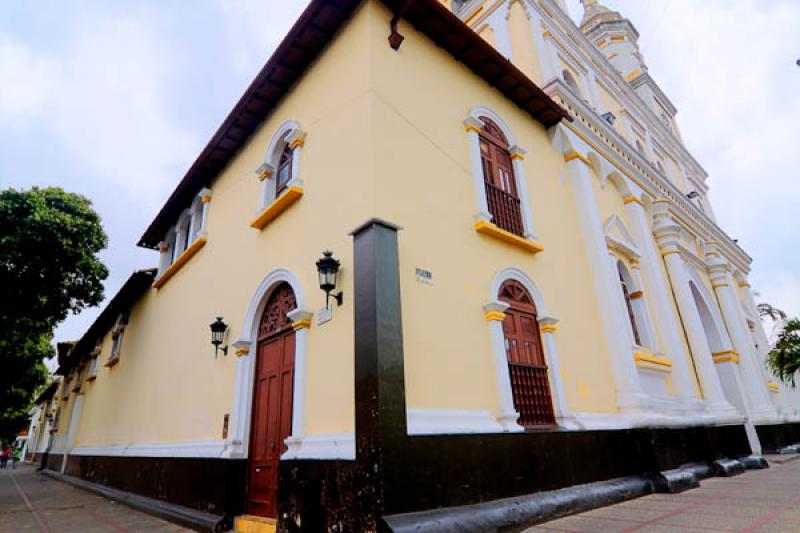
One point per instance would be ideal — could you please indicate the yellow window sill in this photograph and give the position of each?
(278, 206)
(111, 362)
(180, 261)
(487, 228)
(652, 362)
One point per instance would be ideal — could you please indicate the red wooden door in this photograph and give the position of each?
(526, 362)
(272, 402)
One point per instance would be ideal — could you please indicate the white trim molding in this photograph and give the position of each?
(288, 133)
(325, 446)
(200, 448)
(451, 422)
(494, 311)
(473, 124)
(247, 343)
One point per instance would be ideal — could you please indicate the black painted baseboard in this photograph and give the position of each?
(425, 473)
(213, 486)
(192, 518)
(773, 437)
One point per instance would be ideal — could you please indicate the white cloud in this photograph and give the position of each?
(103, 96)
(26, 78)
(255, 28)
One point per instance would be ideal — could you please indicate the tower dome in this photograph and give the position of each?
(615, 36)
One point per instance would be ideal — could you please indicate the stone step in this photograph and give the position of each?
(247, 523)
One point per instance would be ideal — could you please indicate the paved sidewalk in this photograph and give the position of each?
(766, 501)
(30, 501)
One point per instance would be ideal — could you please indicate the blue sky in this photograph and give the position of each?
(115, 99)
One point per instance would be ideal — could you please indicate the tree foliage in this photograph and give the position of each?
(784, 359)
(49, 240)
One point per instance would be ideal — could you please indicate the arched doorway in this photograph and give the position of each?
(273, 387)
(526, 362)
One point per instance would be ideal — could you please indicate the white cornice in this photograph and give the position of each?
(567, 31)
(599, 132)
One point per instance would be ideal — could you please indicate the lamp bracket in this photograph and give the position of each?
(339, 297)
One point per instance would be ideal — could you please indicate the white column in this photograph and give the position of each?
(591, 89)
(606, 282)
(205, 198)
(301, 321)
(547, 330)
(473, 126)
(239, 435)
(548, 72)
(494, 312)
(755, 387)
(659, 297)
(758, 328)
(502, 37)
(517, 157)
(782, 398)
(296, 140)
(666, 232)
(265, 172)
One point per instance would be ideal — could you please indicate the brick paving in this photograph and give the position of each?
(764, 501)
(32, 502)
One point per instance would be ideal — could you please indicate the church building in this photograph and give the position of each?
(440, 260)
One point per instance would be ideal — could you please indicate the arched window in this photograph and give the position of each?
(639, 147)
(625, 282)
(186, 231)
(280, 170)
(526, 361)
(502, 196)
(569, 79)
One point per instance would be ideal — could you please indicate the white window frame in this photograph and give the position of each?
(623, 250)
(473, 125)
(192, 219)
(117, 334)
(507, 415)
(288, 134)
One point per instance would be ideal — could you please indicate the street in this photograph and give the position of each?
(30, 501)
(765, 501)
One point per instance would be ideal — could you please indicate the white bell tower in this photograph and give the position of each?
(616, 37)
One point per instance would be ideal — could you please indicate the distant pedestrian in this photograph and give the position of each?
(4, 457)
(16, 455)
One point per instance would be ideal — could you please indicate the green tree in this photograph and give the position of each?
(784, 359)
(49, 241)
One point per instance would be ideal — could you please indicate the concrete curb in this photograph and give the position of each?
(513, 514)
(516, 514)
(185, 516)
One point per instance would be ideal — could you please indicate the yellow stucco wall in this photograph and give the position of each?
(422, 151)
(168, 387)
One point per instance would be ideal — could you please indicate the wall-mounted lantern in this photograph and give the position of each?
(218, 329)
(328, 267)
